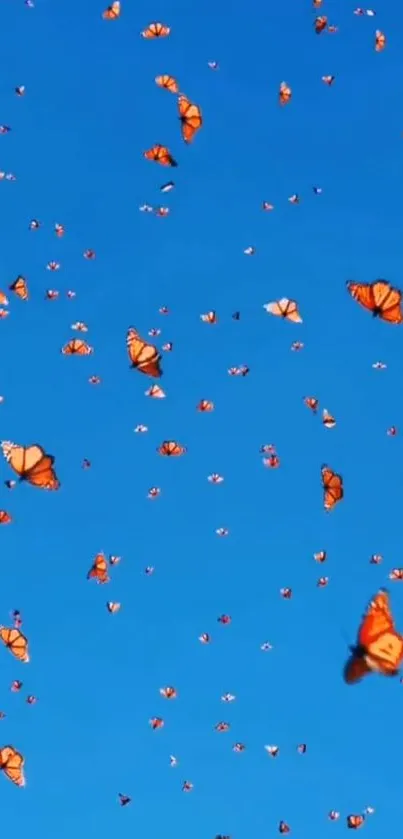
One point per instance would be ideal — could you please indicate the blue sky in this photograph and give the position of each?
(91, 108)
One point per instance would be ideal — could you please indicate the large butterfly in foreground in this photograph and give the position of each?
(143, 356)
(32, 464)
(12, 764)
(379, 648)
(380, 298)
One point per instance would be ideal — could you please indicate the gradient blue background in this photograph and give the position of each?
(91, 108)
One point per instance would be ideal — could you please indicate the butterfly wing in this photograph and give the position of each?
(355, 669)
(291, 312)
(12, 762)
(16, 642)
(15, 456)
(363, 294)
(332, 488)
(42, 474)
(387, 301)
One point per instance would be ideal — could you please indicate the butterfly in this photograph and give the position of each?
(77, 347)
(31, 464)
(380, 298)
(379, 648)
(190, 117)
(160, 154)
(333, 491)
(168, 83)
(20, 288)
(156, 30)
(284, 308)
(380, 41)
(143, 356)
(12, 763)
(112, 12)
(16, 642)
(285, 94)
(99, 569)
(169, 448)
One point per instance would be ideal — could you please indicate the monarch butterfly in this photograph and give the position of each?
(333, 491)
(380, 41)
(20, 288)
(16, 642)
(285, 94)
(169, 448)
(112, 12)
(396, 574)
(354, 822)
(168, 83)
(160, 154)
(312, 403)
(320, 23)
(328, 420)
(380, 298)
(155, 392)
(156, 30)
(209, 317)
(379, 647)
(205, 406)
(143, 356)
(284, 308)
(190, 117)
(12, 763)
(31, 464)
(77, 347)
(99, 569)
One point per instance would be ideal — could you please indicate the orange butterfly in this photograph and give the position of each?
(285, 94)
(168, 83)
(12, 763)
(190, 117)
(77, 347)
(284, 308)
(99, 569)
(16, 642)
(169, 448)
(380, 298)
(112, 12)
(160, 154)
(333, 491)
(312, 403)
(379, 648)
(354, 822)
(20, 288)
(156, 30)
(205, 406)
(320, 24)
(143, 356)
(32, 464)
(380, 41)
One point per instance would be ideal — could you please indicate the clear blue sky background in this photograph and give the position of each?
(90, 110)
